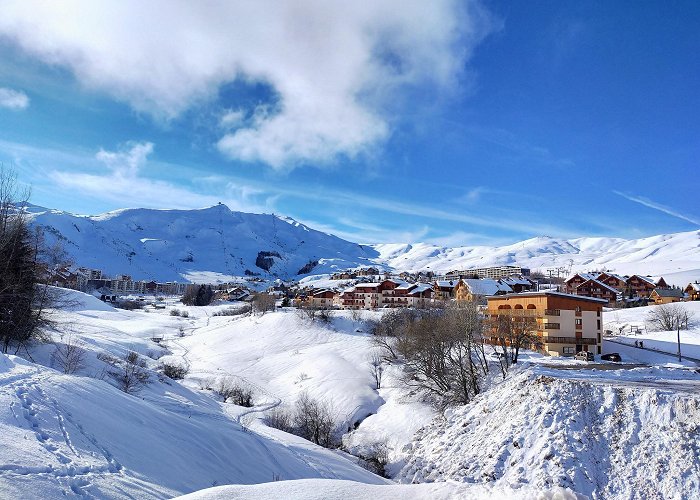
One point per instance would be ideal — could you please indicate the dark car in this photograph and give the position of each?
(584, 356)
(613, 356)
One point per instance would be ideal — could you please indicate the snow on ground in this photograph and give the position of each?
(314, 489)
(625, 323)
(545, 427)
(76, 435)
(282, 354)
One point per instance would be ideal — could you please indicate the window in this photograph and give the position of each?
(598, 324)
(569, 350)
(578, 309)
(551, 326)
(579, 321)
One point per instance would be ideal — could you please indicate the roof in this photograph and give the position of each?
(447, 284)
(694, 286)
(548, 294)
(367, 285)
(669, 292)
(486, 286)
(420, 288)
(585, 276)
(613, 275)
(515, 280)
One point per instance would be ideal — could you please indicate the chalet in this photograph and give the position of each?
(666, 295)
(565, 324)
(573, 282)
(420, 296)
(324, 299)
(519, 284)
(693, 291)
(397, 296)
(477, 289)
(640, 286)
(598, 290)
(447, 289)
(616, 281)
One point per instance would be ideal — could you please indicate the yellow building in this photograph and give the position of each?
(565, 324)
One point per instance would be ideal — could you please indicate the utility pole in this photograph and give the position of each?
(678, 334)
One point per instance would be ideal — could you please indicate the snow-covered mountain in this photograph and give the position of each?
(199, 245)
(675, 256)
(216, 243)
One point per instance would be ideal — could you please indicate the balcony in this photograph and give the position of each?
(569, 340)
(552, 312)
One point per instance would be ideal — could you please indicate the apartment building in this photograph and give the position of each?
(494, 272)
(565, 324)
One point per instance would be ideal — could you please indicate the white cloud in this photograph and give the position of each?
(658, 206)
(335, 66)
(13, 99)
(232, 118)
(123, 185)
(128, 162)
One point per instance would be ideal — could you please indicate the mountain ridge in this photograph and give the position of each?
(216, 243)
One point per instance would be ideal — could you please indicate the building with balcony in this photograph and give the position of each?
(565, 324)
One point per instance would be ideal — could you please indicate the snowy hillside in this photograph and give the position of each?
(675, 256)
(622, 435)
(207, 244)
(77, 435)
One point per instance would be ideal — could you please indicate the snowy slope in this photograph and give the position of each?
(168, 245)
(77, 435)
(675, 256)
(618, 434)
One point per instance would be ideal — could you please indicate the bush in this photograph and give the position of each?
(69, 356)
(279, 418)
(232, 392)
(175, 371)
(130, 305)
(130, 372)
(174, 312)
(233, 311)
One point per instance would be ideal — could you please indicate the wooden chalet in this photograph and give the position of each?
(573, 282)
(693, 291)
(598, 290)
(640, 286)
(666, 295)
(616, 281)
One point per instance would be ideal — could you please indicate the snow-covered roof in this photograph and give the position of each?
(585, 276)
(694, 286)
(612, 275)
(420, 288)
(447, 284)
(486, 286)
(515, 280)
(648, 279)
(367, 285)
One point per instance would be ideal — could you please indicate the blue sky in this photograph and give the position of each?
(457, 123)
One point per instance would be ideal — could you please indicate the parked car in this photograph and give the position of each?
(584, 356)
(613, 356)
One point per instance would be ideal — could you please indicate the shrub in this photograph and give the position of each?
(175, 312)
(130, 372)
(69, 356)
(314, 420)
(130, 305)
(232, 392)
(233, 311)
(279, 418)
(175, 371)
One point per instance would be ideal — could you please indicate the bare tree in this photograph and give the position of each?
(512, 330)
(69, 355)
(376, 369)
(263, 302)
(314, 420)
(668, 317)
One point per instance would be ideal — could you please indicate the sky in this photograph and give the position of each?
(454, 123)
